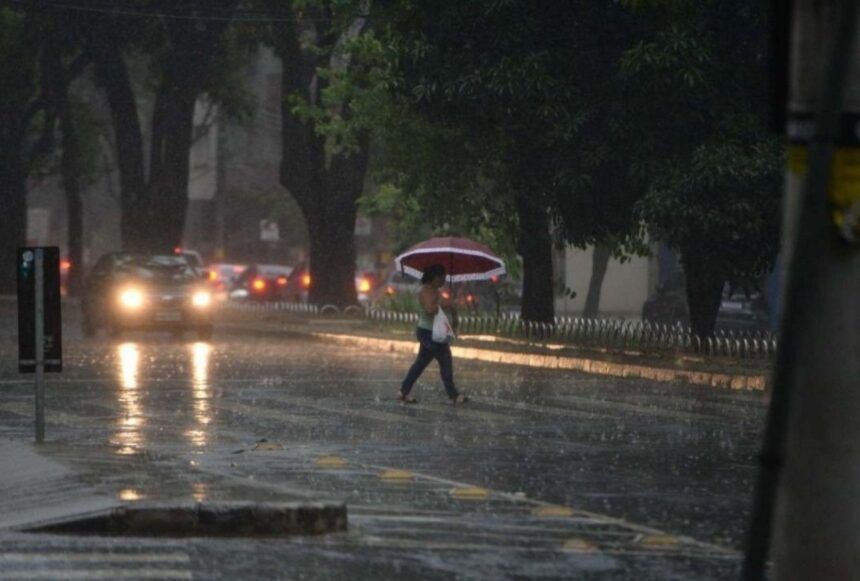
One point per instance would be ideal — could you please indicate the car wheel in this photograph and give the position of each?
(204, 333)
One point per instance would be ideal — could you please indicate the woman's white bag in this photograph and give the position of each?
(442, 331)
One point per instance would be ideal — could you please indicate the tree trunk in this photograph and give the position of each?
(332, 257)
(535, 248)
(172, 129)
(599, 264)
(13, 220)
(113, 76)
(154, 209)
(326, 187)
(71, 170)
(704, 292)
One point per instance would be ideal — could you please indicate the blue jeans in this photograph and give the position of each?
(429, 351)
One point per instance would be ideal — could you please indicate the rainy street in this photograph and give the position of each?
(545, 474)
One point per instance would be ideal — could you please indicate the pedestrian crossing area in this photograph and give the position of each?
(69, 563)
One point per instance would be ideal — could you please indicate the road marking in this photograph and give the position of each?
(429, 545)
(659, 542)
(356, 413)
(331, 462)
(397, 475)
(30, 557)
(474, 412)
(577, 545)
(97, 575)
(279, 414)
(654, 411)
(595, 518)
(554, 511)
(470, 493)
(267, 446)
(523, 406)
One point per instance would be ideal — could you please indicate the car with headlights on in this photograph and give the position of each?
(127, 291)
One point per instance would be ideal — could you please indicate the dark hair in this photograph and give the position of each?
(431, 272)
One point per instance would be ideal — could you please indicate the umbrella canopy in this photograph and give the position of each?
(462, 258)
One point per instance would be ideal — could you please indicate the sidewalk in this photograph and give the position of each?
(363, 334)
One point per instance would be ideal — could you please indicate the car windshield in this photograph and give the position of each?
(160, 269)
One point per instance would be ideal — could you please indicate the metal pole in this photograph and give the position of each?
(40, 345)
(806, 492)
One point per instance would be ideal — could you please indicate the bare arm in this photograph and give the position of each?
(429, 299)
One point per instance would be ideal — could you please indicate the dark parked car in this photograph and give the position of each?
(262, 282)
(146, 292)
(222, 277)
(740, 311)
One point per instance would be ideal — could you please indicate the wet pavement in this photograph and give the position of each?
(546, 474)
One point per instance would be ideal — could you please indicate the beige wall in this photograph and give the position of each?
(626, 285)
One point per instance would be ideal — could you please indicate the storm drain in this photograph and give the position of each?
(205, 520)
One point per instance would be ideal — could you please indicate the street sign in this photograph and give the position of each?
(30, 261)
(40, 339)
(269, 231)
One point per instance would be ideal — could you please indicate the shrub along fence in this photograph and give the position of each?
(610, 334)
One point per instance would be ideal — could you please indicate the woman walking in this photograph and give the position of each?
(429, 304)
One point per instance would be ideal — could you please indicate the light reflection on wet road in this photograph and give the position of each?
(249, 416)
(130, 432)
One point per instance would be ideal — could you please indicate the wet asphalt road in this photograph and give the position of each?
(253, 416)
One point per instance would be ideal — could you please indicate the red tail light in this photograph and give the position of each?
(259, 284)
(390, 291)
(65, 264)
(364, 285)
(282, 281)
(306, 280)
(177, 250)
(494, 279)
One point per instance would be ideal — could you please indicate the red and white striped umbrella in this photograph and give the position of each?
(462, 258)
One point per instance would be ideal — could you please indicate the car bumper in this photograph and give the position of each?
(162, 317)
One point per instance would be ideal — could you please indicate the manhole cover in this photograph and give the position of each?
(205, 520)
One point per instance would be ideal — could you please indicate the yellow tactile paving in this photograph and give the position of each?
(577, 545)
(554, 511)
(397, 475)
(658, 541)
(331, 462)
(470, 493)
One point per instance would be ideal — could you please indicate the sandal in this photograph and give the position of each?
(407, 399)
(460, 399)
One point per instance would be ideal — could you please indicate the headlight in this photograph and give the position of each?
(201, 299)
(131, 298)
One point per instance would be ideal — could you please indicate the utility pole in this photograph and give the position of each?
(809, 483)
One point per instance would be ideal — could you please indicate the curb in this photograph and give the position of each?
(585, 365)
(232, 519)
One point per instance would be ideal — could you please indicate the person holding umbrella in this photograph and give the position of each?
(434, 261)
(429, 301)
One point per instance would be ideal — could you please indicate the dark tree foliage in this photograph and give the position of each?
(189, 58)
(520, 99)
(25, 131)
(605, 123)
(38, 61)
(713, 171)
